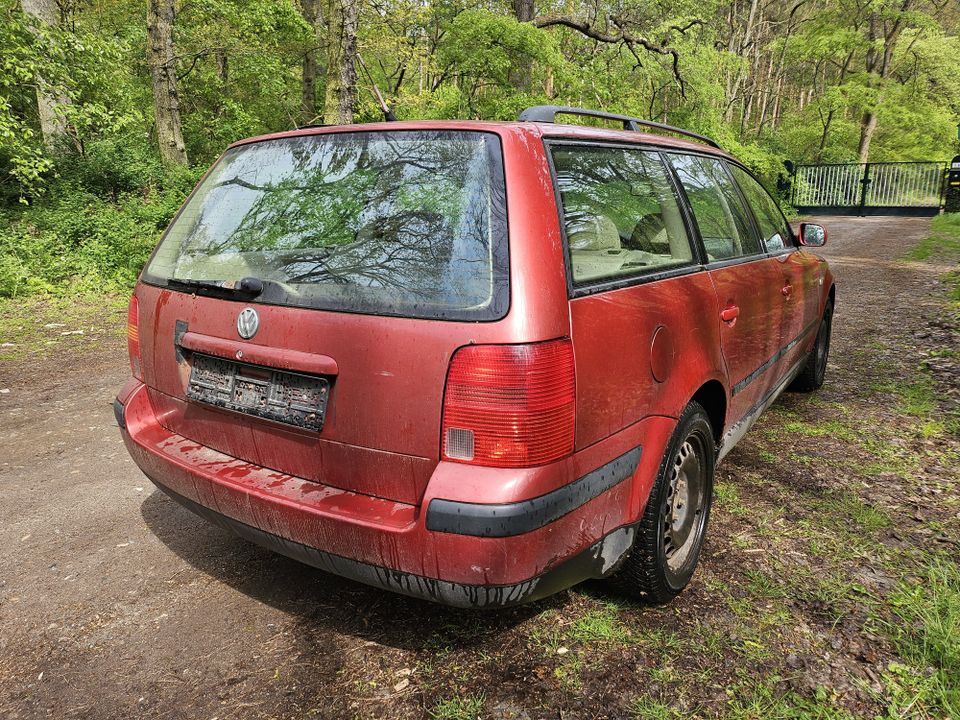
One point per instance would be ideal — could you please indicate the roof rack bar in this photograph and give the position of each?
(548, 113)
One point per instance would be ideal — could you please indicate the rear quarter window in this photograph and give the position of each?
(409, 223)
(620, 213)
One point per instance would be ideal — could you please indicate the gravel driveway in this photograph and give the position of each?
(115, 602)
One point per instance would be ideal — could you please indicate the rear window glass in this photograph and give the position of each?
(409, 223)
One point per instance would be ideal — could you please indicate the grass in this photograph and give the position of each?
(725, 495)
(828, 428)
(461, 707)
(600, 624)
(952, 281)
(915, 398)
(927, 634)
(644, 708)
(944, 241)
(764, 702)
(39, 326)
(943, 245)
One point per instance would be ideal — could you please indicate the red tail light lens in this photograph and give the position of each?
(133, 336)
(510, 405)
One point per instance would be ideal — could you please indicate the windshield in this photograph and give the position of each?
(408, 223)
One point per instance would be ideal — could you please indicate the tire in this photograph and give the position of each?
(815, 368)
(669, 539)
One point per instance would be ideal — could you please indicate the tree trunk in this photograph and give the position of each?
(521, 76)
(53, 126)
(881, 64)
(826, 126)
(223, 65)
(733, 93)
(343, 16)
(163, 75)
(310, 10)
(868, 124)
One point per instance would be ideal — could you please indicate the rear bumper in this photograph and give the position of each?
(448, 549)
(586, 564)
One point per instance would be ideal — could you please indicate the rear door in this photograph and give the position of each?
(747, 282)
(800, 290)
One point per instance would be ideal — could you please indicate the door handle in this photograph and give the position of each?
(730, 314)
(786, 290)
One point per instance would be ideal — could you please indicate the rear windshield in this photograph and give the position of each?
(409, 223)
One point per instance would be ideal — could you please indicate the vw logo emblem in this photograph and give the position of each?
(247, 323)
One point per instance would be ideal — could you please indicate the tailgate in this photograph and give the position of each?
(384, 377)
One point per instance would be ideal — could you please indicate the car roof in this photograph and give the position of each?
(539, 129)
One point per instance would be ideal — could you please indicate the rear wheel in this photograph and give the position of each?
(815, 368)
(674, 524)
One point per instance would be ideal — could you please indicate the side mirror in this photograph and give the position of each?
(813, 235)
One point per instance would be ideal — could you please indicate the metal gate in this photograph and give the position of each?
(895, 188)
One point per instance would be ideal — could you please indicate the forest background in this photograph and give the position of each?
(111, 109)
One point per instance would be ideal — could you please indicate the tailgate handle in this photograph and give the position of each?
(276, 358)
(730, 314)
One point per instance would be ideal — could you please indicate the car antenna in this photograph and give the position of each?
(387, 112)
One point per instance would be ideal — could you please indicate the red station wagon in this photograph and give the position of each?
(472, 362)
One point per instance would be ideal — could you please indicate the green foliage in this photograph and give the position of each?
(76, 241)
(927, 634)
(23, 61)
(239, 69)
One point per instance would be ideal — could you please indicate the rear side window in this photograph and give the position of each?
(774, 227)
(620, 213)
(409, 223)
(717, 207)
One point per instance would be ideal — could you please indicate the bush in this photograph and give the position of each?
(75, 240)
(96, 223)
(111, 167)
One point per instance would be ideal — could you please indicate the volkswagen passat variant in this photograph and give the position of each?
(471, 362)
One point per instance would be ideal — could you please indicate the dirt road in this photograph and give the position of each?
(116, 603)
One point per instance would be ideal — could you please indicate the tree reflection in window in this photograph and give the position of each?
(620, 213)
(402, 223)
(717, 208)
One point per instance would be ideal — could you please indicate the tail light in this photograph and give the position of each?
(133, 337)
(510, 405)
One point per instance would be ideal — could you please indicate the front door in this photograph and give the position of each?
(799, 273)
(747, 282)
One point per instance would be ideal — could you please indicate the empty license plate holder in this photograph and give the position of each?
(284, 397)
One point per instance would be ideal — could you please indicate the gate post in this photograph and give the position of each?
(864, 184)
(952, 202)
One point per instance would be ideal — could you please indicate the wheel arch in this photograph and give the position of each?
(712, 397)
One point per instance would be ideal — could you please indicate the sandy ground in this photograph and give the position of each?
(115, 602)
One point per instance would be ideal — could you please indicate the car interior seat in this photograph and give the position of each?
(650, 235)
(595, 247)
(593, 233)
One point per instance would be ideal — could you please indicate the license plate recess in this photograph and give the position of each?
(278, 395)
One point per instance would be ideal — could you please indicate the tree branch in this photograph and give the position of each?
(585, 27)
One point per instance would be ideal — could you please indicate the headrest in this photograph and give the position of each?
(593, 232)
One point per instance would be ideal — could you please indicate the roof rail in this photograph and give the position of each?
(548, 113)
